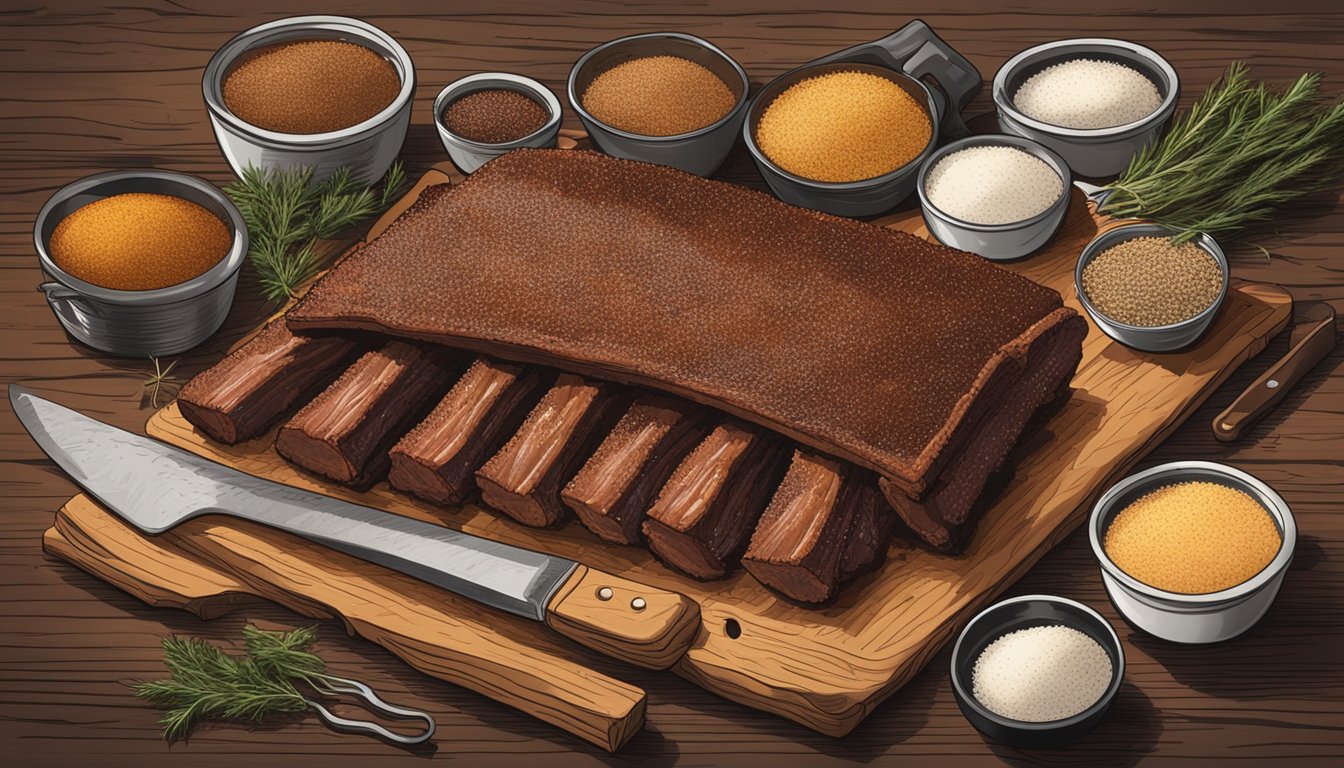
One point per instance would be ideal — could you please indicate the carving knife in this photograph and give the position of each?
(154, 486)
(1312, 339)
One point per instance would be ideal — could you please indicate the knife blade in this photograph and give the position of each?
(155, 486)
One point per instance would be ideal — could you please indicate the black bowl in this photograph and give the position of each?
(1023, 613)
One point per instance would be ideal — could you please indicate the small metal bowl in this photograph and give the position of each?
(469, 155)
(1094, 152)
(1157, 338)
(997, 242)
(368, 148)
(140, 323)
(1023, 613)
(1184, 618)
(701, 151)
(911, 57)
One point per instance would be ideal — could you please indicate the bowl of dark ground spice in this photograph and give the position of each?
(480, 117)
(665, 98)
(140, 263)
(317, 92)
(1149, 293)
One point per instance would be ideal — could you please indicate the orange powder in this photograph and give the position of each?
(1193, 538)
(139, 242)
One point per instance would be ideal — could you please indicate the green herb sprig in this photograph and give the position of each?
(287, 214)
(208, 683)
(1233, 159)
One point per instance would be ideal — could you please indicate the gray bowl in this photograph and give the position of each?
(907, 57)
(1023, 613)
(469, 155)
(165, 321)
(1157, 338)
(1098, 152)
(1183, 618)
(997, 242)
(368, 148)
(701, 151)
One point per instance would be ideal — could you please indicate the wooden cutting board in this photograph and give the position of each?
(824, 668)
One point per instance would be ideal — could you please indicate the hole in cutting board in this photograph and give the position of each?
(732, 629)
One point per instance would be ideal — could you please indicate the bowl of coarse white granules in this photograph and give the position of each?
(1036, 671)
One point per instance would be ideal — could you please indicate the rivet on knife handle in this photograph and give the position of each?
(633, 622)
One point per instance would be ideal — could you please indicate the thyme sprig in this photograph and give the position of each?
(162, 378)
(287, 215)
(1234, 158)
(208, 683)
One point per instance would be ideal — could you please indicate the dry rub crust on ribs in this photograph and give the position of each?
(865, 344)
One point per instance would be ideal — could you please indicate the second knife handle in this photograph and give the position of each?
(642, 625)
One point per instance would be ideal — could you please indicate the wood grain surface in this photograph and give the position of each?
(90, 87)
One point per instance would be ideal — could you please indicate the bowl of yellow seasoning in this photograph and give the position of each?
(140, 263)
(847, 133)
(1192, 551)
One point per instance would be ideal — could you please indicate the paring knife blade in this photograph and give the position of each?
(155, 486)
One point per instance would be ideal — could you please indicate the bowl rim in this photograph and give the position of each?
(212, 81)
(213, 277)
(586, 116)
(459, 88)
(1169, 473)
(1124, 232)
(1030, 146)
(965, 691)
(913, 163)
(999, 89)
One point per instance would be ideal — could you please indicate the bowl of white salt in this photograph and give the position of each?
(1095, 101)
(1001, 197)
(1036, 671)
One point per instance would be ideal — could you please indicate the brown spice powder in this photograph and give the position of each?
(139, 242)
(494, 116)
(311, 86)
(843, 126)
(1193, 538)
(658, 96)
(1148, 282)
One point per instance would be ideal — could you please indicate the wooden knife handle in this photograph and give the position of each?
(636, 623)
(1262, 395)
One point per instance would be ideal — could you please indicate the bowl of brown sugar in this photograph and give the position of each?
(665, 98)
(316, 92)
(140, 263)
(1192, 551)
(1149, 293)
(482, 116)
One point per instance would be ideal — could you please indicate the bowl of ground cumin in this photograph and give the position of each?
(1192, 551)
(1149, 293)
(316, 92)
(665, 98)
(140, 263)
(483, 116)
(847, 133)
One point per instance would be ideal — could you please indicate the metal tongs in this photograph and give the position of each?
(330, 685)
(1312, 339)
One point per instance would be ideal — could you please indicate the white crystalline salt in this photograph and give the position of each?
(1087, 94)
(992, 185)
(1041, 674)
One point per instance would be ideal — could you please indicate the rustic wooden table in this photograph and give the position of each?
(89, 87)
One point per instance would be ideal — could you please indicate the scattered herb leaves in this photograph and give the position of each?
(287, 214)
(160, 379)
(1234, 158)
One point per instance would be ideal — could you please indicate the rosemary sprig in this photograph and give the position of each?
(1239, 154)
(287, 213)
(208, 683)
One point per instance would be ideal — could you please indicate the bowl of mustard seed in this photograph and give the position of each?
(485, 115)
(1148, 292)
(140, 263)
(317, 92)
